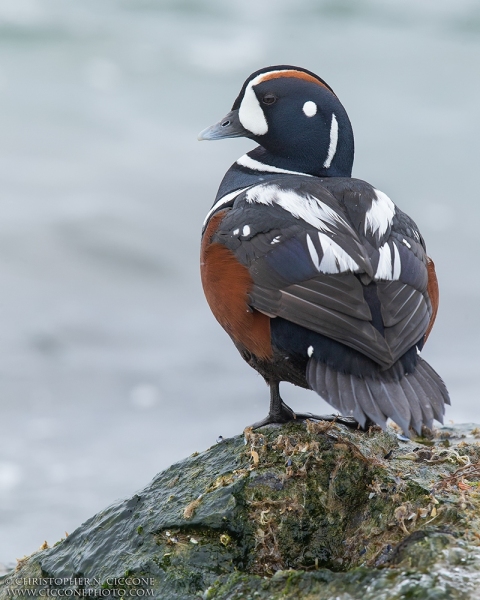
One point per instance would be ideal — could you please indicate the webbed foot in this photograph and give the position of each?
(281, 413)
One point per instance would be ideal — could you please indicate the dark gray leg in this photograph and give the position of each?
(281, 413)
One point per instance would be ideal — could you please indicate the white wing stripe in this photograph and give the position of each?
(397, 263)
(389, 267)
(223, 200)
(335, 259)
(384, 269)
(313, 253)
(379, 216)
(307, 207)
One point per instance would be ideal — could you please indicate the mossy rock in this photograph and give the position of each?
(307, 510)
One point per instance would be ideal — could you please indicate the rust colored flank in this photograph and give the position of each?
(433, 293)
(226, 284)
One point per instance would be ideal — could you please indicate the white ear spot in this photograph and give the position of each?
(310, 108)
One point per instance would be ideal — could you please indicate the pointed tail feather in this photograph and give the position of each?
(413, 401)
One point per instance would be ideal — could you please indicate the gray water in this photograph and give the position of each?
(111, 365)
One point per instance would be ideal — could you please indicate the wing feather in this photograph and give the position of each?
(310, 260)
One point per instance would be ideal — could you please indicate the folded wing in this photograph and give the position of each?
(361, 283)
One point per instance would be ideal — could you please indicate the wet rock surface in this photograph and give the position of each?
(307, 510)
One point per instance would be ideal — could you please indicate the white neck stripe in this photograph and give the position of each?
(224, 200)
(333, 142)
(256, 165)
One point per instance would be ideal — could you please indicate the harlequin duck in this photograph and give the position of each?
(319, 278)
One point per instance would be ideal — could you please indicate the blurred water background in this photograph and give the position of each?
(111, 365)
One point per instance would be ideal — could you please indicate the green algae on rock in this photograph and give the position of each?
(309, 510)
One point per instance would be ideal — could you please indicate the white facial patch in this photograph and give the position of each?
(379, 216)
(250, 113)
(310, 350)
(310, 108)
(332, 148)
(246, 230)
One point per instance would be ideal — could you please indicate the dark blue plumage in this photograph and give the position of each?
(318, 277)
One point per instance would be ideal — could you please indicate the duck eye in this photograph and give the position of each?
(269, 99)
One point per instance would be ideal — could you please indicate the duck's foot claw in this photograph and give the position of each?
(347, 421)
(284, 414)
(281, 413)
(287, 415)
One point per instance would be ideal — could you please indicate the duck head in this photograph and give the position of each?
(295, 117)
